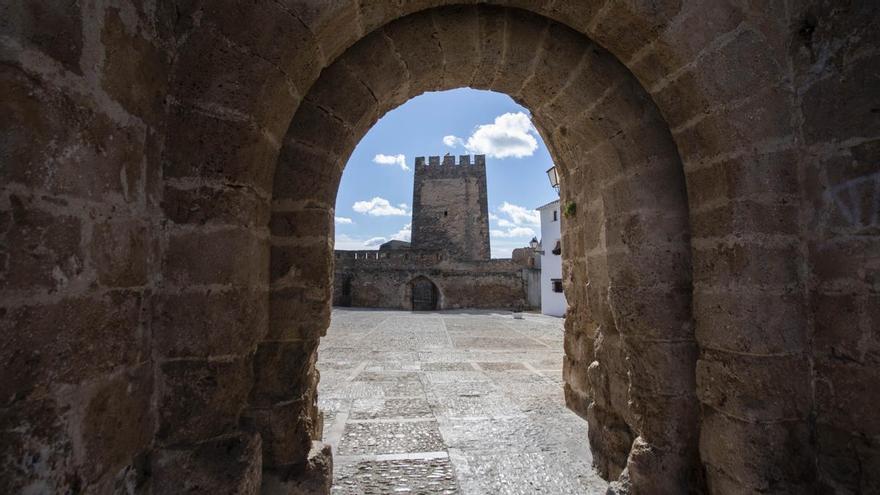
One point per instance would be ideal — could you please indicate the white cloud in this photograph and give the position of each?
(519, 216)
(515, 222)
(343, 221)
(514, 232)
(379, 207)
(399, 160)
(404, 234)
(453, 141)
(503, 248)
(375, 242)
(511, 135)
(347, 243)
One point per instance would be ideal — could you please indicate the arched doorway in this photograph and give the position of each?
(204, 271)
(424, 294)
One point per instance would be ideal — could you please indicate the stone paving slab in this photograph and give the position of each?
(415, 476)
(466, 402)
(390, 437)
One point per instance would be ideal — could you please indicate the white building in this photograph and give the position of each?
(552, 299)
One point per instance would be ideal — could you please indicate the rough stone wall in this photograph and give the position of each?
(166, 229)
(384, 282)
(451, 206)
(81, 137)
(837, 179)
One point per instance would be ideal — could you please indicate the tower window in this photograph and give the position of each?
(555, 215)
(557, 285)
(445, 213)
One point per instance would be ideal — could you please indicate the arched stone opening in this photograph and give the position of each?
(424, 294)
(136, 203)
(630, 239)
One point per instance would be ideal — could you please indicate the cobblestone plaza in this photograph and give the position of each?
(464, 402)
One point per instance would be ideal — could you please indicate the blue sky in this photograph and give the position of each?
(375, 196)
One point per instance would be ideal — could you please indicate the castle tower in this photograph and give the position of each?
(450, 206)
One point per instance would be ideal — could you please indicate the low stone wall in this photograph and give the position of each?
(376, 281)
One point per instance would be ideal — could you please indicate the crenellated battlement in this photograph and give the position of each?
(450, 206)
(448, 161)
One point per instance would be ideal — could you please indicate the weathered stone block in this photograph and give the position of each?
(420, 52)
(661, 368)
(750, 322)
(746, 263)
(846, 395)
(316, 223)
(524, 37)
(731, 179)
(53, 135)
(213, 323)
(228, 464)
(298, 313)
(334, 22)
(633, 24)
(845, 262)
(666, 422)
(118, 422)
(610, 441)
(215, 205)
(135, 69)
(201, 144)
(311, 266)
(282, 371)
(68, 342)
(40, 453)
(652, 314)
(762, 118)
(760, 456)
(313, 476)
(225, 256)
(340, 92)
(847, 461)
(285, 431)
(375, 62)
(755, 388)
(652, 266)
(750, 217)
(42, 250)
(303, 174)
(229, 79)
(458, 32)
(121, 253)
(282, 39)
(314, 127)
(55, 29)
(201, 398)
(850, 95)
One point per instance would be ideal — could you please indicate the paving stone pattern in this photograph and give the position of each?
(450, 402)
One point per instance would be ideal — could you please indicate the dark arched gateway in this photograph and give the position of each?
(424, 295)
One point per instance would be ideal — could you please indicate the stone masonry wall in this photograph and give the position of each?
(450, 206)
(378, 282)
(169, 173)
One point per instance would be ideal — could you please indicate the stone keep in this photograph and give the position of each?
(450, 206)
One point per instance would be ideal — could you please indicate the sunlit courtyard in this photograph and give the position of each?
(450, 402)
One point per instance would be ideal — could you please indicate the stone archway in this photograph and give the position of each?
(143, 208)
(424, 295)
(642, 250)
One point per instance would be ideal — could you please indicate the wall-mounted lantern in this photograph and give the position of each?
(553, 175)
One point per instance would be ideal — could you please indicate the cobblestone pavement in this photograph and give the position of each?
(465, 402)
